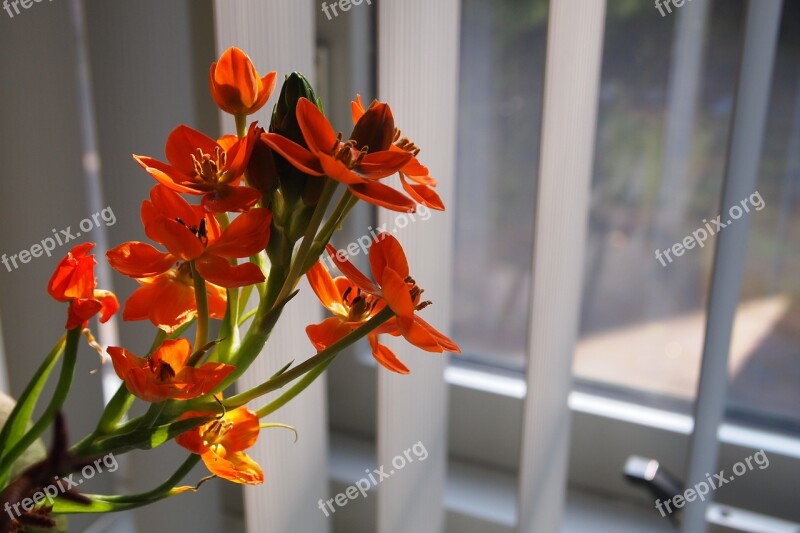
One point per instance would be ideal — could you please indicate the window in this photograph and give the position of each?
(660, 159)
(500, 104)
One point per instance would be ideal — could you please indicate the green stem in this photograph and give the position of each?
(346, 203)
(296, 389)
(59, 396)
(151, 416)
(229, 331)
(114, 503)
(241, 125)
(117, 408)
(247, 315)
(295, 271)
(321, 358)
(165, 487)
(201, 297)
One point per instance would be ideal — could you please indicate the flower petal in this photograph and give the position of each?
(386, 357)
(183, 143)
(299, 157)
(247, 235)
(353, 274)
(357, 108)
(382, 195)
(244, 432)
(217, 301)
(192, 382)
(326, 290)
(420, 336)
(336, 170)
(386, 251)
(220, 272)
(237, 467)
(172, 205)
(397, 295)
(317, 131)
(174, 352)
(237, 155)
(176, 237)
(230, 198)
(422, 194)
(124, 361)
(108, 304)
(375, 129)
(74, 275)
(166, 302)
(139, 260)
(267, 85)
(378, 165)
(168, 176)
(81, 310)
(445, 342)
(327, 332)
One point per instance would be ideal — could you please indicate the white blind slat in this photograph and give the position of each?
(418, 47)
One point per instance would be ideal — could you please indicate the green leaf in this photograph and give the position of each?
(145, 438)
(282, 370)
(20, 417)
(13, 452)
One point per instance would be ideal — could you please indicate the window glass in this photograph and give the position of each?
(500, 100)
(665, 107)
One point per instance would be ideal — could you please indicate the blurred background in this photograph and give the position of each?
(509, 424)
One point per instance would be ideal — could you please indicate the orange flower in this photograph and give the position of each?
(198, 165)
(236, 86)
(422, 188)
(358, 162)
(191, 234)
(164, 375)
(221, 444)
(354, 299)
(167, 299)
(73, 281)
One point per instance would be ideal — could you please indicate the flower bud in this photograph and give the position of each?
(375, 129)
(236, 86)
(300, 190)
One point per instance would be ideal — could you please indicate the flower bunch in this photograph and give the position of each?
(228, 221)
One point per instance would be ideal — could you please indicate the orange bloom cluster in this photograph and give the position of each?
(354, 299)
(198, 253)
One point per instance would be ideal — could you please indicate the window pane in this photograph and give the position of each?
(502, 70)
(665, 108)
(765, 355)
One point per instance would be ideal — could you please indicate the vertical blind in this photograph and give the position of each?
(279, 35)
(418, 44)
(572, 76)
